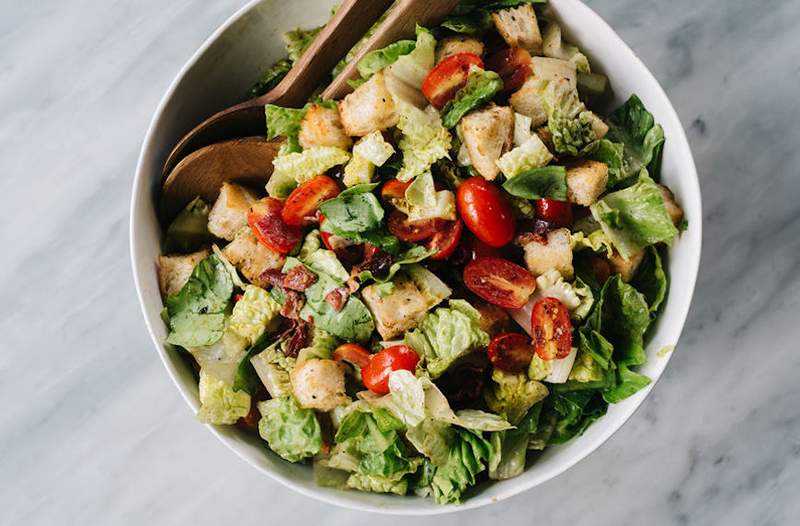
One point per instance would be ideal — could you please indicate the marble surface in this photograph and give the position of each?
(92, 431)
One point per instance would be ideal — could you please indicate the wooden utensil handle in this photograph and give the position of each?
(399, 23)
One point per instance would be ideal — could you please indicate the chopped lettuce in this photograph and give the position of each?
(322, 346)
(413, 255)
(424, 139)
(573, 412)
(273, 368)
(412, 68)
(651, 280)
(513, 395)
(473, 24)
(222, 358)
(376, 60)
(529, 155)
(298, 40)
(197, 311)
(613, 155)
(510, 447)
(569, 123)
(253, 313)
(219, 403)
(433, 289)
(480, 88)
(291, 431)
(469, 452)
(189, 230)
(354, 210)
(554, 47)
(447, 334)
(423, 201)
(377, 484)
(635, 217)
(632, 125)
(285, 122)
(369, 152)
(596, 241)
(537, 183)
(293, 168)
(271, 77)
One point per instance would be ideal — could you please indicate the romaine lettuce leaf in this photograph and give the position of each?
(567, 119)
(635, 217)
(219, 403)
(298, 40)
(271, 77)
(529, 155)
(574, 412)
(632, 125)
(291, 431)
(285, 122)
(537, 183)
(293, 168)
(613, 155)
(222, 358)
(377, 484)
(480, 88)
(369, 152)
(469, 452)
(513, 395)
(423, 201)
(413, 67)
(510, 447)
(189, 230)
(651, 280)
(273, 368)
(353, 210)
(424, 139)
(253, 313)
(433, 289)
(376, 60)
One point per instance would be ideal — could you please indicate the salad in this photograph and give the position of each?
(451, 269)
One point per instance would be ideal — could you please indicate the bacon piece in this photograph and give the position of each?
(292, 304)
(337, 298)
(296, 336)
(378, 264)
(299, 278)
(272, 277)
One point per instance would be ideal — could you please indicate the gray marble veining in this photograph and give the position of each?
(92, 431)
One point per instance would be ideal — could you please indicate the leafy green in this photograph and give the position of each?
(480, 88)
(291, 431)
(370, 152)
(569, 123)
(377, 484)
(219, 403)
(469, 452)
(285, 122)
(470, 6)
(273, 368)
(423, 201)
(321, 347)
(412, 68)
(511, 447)
(473, 24)
(635, 217)
(293, 168)
(574, 412)
(189, 230)
(513, 395)
(376, 60)
(424, 140)
(253, 313)
(576, 296)
(197, 311)
(222, 358)
(651, 280)
(529, 155)
(413, 255)
(613, 155)
(447, 334)
(298, 40)
(353, 211)
(547, 182)
(632, 125)
(271, 77)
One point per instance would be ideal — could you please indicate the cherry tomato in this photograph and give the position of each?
(394, 189)
(511, 352)
(448, 77)
(513, 65)
(395, 358)
(300, 208)
(347, 251)
(446, 240)
(411, 231)
(499, 281)
(237, 297)
(552, 329)
(478, 249)
(558, 213)
(353, 353)
(266, 223)
(486, 212)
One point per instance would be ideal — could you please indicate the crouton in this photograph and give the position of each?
(626, 269)
(229, 213)
(397, 312)
(251, 257)
(488, 134)
(551, 252)
(675, 212)
(322, 127)
(494, 320)
(174, 271)
(599, 127)
(453, 45)
(519, 28)
(319, 384)
(369, 108)
(554, 69)
(526, 101)
(586, 181)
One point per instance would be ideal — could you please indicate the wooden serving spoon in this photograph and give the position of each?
(203, 171)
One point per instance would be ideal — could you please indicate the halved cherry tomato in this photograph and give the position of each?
(347, 251)
(266, 223)
(446, 240)
(552, 329)
(395, 358)
(511, 352)
(513, 65)
(237, 297)
(394, 189)
(300, 208)
(448, 77)
(353, 353)
(486, 212)
(559, 213)
(500, 282)
(411, 231)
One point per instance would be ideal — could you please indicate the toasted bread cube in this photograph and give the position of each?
(554, 69)
(519, 28)
(675, 212)
(586, 181)
(626, 269)
(526, 101)
(456, 44)
(251, 257)
(174, 271)
(319, 384)
(229, 213)
(397, 312)
(494, 320)
(488, 134)
(322, 126)
(551, 252)
(369, 108)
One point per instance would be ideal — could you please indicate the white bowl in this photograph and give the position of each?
(223, 69)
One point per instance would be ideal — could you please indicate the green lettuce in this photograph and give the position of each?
(322, 346)
(529, 155)
(546, 182)
(219, 403)
(369, 152)
(285, 122)
(423, 201)
(197, 311)
(377, 484)
(253, 313)
(293, 168)
(356, 209)
(375, 61)
(510, 447)
(413, 255)
(447, 334)
(424, 140)
(569, 123)
(189, 230)
(573, 412)
(291, 431)
(635, 217)
(271, 77)
(298, 40)
(632, 125)
(480, 88)
(468, 455)
(651, 280)
(473, 24)
(613, 155)
(412, 68)
(273, 368)
(513, 395)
